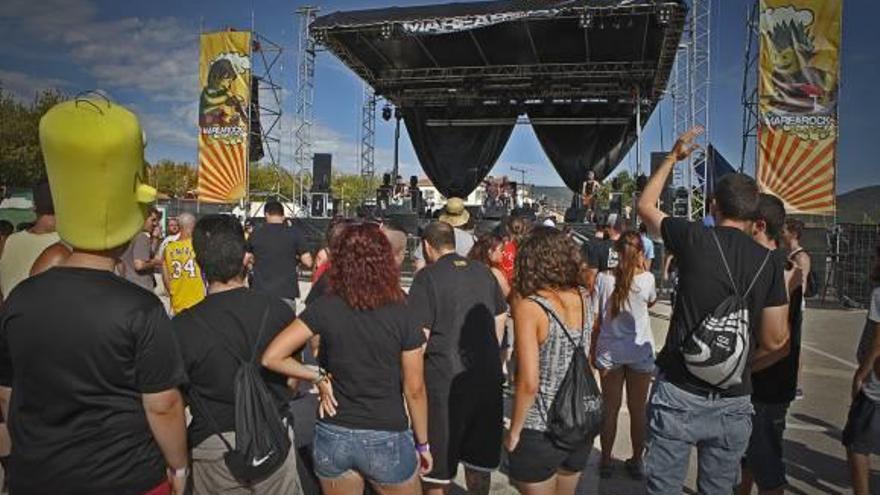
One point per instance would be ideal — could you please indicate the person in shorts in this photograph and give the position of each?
(460, 306)
(371, 362)
(773, 384)
(548, 277)
(861, 436)
(624, 350)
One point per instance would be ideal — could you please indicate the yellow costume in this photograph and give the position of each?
(94, 154)
(183, 275)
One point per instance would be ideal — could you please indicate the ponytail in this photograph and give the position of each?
(630, 251)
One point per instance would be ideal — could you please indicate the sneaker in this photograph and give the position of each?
(799, 394)
(636, 469)
(606, 470)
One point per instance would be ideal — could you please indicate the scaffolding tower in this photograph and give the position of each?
(691, 96)
(368, 133)
(680, 114)
(305, 97)
(750, 87)
(266, 56)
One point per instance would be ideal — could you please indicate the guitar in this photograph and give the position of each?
(588, 192)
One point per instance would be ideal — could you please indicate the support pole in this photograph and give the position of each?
(396, 170)
(638, 132)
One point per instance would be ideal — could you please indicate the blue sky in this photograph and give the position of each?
(145, 55)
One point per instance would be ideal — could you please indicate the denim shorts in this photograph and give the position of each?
(605, 362)
(383, 457)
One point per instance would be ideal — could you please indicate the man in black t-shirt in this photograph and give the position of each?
(684, 411)
(278, 250)
(227, 320)
(600, 253)
(774, 379)
(460, 306)
(89, 368)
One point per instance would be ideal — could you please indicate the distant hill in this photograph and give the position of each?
(557, 196)
(859, 206)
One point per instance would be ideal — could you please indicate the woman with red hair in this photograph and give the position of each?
(371, 359)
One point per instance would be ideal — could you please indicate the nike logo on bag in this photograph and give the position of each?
(256, 462)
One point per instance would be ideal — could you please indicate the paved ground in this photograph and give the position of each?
(815, 459)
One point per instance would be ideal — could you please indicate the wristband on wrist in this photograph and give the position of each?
(423, 448)
(178, 473)
(322, 375)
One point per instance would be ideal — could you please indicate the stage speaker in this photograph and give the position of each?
(319, 205)
(383, 197)
(575, 214)
(321, 172)
(386, 179)
(415, 196)
(667, 195)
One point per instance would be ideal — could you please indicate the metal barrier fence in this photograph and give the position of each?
(842, 257)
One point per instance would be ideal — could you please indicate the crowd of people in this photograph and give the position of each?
(105, 390)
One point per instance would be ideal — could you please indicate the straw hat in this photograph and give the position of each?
(454, 213)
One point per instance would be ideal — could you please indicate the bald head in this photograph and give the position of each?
(187, 223)
(397, 239)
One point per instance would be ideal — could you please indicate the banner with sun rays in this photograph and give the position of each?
(225, 80)
(798, 81)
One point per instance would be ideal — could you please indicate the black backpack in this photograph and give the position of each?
(717, 351)
(576, 414)
(262, 441)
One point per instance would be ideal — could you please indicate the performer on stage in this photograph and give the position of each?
(589, 190)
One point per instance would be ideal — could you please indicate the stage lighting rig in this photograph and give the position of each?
(386, 113)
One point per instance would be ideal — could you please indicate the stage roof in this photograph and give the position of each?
(509, 51)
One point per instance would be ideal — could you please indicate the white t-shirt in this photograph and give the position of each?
(626, 338)
(871, 386)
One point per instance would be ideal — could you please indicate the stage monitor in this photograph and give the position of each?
(321, 172)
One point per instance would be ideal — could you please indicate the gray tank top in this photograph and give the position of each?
(554, 357)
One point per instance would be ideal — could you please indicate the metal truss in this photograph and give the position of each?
(305, 96)
(699, 72)
(680, 106)
(265, 56)
(750, 86)
(587, 71)
(368, 133)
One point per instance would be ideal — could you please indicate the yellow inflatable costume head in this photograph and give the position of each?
(94, 154)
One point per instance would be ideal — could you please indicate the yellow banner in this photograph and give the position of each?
(225, 81)
(798, 81)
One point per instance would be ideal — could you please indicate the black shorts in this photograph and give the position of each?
(764, 455)
(464, 425)
(861, 434)
(537, 459)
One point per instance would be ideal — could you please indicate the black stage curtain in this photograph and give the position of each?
(575, 149)
(458, 157)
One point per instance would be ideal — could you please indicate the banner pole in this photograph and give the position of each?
(247, 146)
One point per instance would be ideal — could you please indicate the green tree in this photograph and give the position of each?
(21, 161)
(626, 186)
(353, 190)
(172, 178)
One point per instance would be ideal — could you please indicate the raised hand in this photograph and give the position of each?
(684, 146)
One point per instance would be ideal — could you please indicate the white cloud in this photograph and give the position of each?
(153, 55)
(158, 57)
(24, 86)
